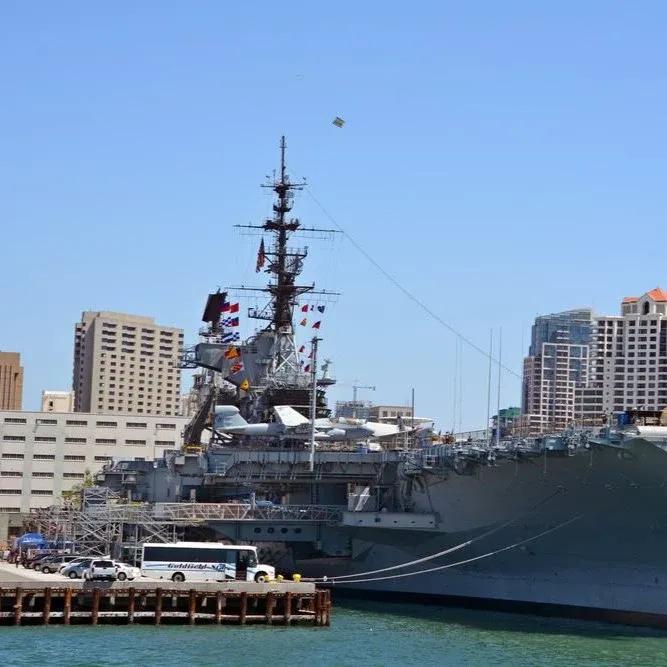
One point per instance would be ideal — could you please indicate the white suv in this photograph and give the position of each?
(101, 569)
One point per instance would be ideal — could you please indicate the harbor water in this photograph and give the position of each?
(361, 633)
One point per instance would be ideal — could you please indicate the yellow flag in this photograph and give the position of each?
(245, 385)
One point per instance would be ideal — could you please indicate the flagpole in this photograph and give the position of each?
(313, 401)
(488, 390)
(500, 368)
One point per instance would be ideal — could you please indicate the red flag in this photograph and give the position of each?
(302, 348)
(225, 308)
(317, 325)
(303, 322)
(261, 256)
(306, 369)
(234, 308)
(304, 309)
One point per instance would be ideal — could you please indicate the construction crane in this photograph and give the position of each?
(355, 387)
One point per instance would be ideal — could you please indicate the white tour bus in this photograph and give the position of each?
(203, 561)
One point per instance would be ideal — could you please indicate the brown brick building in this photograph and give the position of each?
(11, 381)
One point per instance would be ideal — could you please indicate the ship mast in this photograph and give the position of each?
(284, 264)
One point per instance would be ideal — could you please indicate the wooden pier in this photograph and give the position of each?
(158, 603)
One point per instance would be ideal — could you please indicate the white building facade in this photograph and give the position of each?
(57, 401)
(43, 454)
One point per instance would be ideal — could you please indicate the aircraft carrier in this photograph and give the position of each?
(571, 524)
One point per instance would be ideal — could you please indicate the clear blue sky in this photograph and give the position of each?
(500, 159)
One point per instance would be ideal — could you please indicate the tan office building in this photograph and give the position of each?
(11, 381)
(126, 364)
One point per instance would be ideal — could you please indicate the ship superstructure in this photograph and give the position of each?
(266, 369)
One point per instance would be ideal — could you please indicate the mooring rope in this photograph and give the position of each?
(439, 554)
(462, 562)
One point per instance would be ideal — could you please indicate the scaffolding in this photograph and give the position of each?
(105, 525)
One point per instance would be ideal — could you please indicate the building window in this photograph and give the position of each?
(135, 442)
(41, 492)
(10, 455)
(72, 457)
(46, 421)
(76, 441)
(45, 438)
(14, 438)
(105, 441)
(44, 475)
(107, 424)
(75, 422)
(15, 420)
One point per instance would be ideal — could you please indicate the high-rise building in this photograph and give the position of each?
(584, 368)
(555, 368)
(11, 381)
(126, 363)
(628, 367)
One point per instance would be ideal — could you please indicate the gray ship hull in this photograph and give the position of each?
(610, 562)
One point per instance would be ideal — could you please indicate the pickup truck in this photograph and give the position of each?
(101, 569)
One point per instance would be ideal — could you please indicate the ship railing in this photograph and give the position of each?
(196, 512)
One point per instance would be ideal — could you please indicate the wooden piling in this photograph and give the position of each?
(67, 606)
(94, 615)
(244, 608)
(192, 606)
(219, 605)
(18, 606)
(158, 605)
(46, 610)
(318, 607)
(130, 606)
(327, 608)
(288, 608)
(270, 601)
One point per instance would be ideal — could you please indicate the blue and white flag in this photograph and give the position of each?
(230, 322)
(231, 337)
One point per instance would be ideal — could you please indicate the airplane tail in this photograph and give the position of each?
(227, 416)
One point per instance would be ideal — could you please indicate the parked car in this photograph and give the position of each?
(125, 571)
(29, 562)
(52, 566)
(101, 569)
(36, 563)
(76, 568)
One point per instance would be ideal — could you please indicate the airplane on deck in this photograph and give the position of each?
(292, 424)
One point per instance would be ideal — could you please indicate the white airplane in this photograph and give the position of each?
(292, 424)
